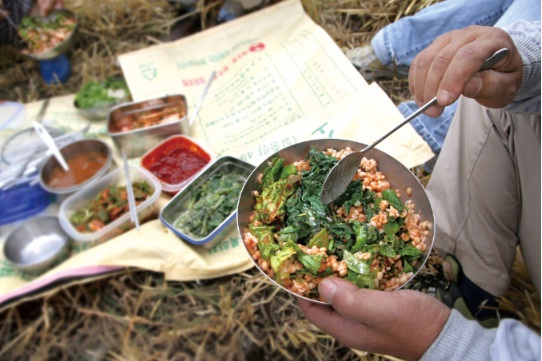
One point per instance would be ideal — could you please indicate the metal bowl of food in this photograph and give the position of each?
(94, 100)
(87, 159)
(378, 234)
(46, 38)
(138, 126)
(36, 244)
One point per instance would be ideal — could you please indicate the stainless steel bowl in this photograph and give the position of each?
(68, 152)
(97, 112)
(60, 48)
(137, 142)
(396, 173)
(37, 244)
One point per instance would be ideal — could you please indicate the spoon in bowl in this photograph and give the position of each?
(342, 173)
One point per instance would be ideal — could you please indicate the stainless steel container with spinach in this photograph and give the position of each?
(208, 203)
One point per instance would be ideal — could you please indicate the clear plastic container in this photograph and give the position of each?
(81, 199)
(176, 143)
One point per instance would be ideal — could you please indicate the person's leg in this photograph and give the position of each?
(520, 10)
(432, 130)
(401, 41)
(485, 193)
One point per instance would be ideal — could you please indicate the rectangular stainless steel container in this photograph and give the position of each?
(136, 142)
(177, 205)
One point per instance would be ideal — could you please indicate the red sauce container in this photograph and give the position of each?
(175, 161)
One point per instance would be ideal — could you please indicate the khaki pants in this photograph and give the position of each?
(485, 193)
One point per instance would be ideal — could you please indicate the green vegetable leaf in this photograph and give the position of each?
(387, 250)
(361, 236)
(320, 239)
(354, 264)
(391, 197)
(279, 257)
(410, 251)
(311, 262)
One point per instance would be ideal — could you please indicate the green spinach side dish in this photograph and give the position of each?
(210, 204)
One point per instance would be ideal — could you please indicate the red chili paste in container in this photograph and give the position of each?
(175, 161)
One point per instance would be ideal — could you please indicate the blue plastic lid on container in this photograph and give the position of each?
(23, 200)
(55, 70)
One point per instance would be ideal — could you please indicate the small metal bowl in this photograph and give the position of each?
(396, 173)
(101, 111)
(61, 48)
(37, 244)
(97, 112)
(178, 204)
(69, 152)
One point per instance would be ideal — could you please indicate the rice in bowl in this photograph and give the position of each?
(369, 235)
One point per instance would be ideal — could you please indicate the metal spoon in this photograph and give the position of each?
(342, 173)
(203, 95)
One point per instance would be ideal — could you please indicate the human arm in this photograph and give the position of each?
(449, 68)
(463, 340)
(412, 325)
(18, 8)
(526, 36)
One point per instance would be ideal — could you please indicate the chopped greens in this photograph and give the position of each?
(293, 227)
(94, 93)
(210, 204)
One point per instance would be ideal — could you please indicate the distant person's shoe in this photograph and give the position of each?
(370, 67)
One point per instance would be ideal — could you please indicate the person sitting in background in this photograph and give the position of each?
(485, 194)
(393, 48)
(13, 11)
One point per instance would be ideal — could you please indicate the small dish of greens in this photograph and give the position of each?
(95, 99)
(199, 211)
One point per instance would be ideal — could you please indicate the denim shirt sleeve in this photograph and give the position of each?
(467, 340)
(526, 36)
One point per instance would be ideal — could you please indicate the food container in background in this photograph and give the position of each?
(94, 100)
(36, 244)
(88, 160)
(117, 220)
(208, 203)
(175, 161)
(48, 48)
(136, 127)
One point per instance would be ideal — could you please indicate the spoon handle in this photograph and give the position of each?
(488, 64)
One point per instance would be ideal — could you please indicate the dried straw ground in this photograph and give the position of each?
(136, 315)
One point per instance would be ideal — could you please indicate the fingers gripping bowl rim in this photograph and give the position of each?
(399, 177)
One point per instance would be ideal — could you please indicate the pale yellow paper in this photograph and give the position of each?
(280, 80)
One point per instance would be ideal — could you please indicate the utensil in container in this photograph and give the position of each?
(341, 175)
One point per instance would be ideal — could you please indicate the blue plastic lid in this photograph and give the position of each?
(22, 201)
(56, 70)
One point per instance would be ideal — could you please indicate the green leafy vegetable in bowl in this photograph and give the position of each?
(210, 204)
(94, 93)
(368, 235)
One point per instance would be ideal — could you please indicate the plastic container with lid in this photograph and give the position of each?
(146, 210)
(175, 161)
(22, 200)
